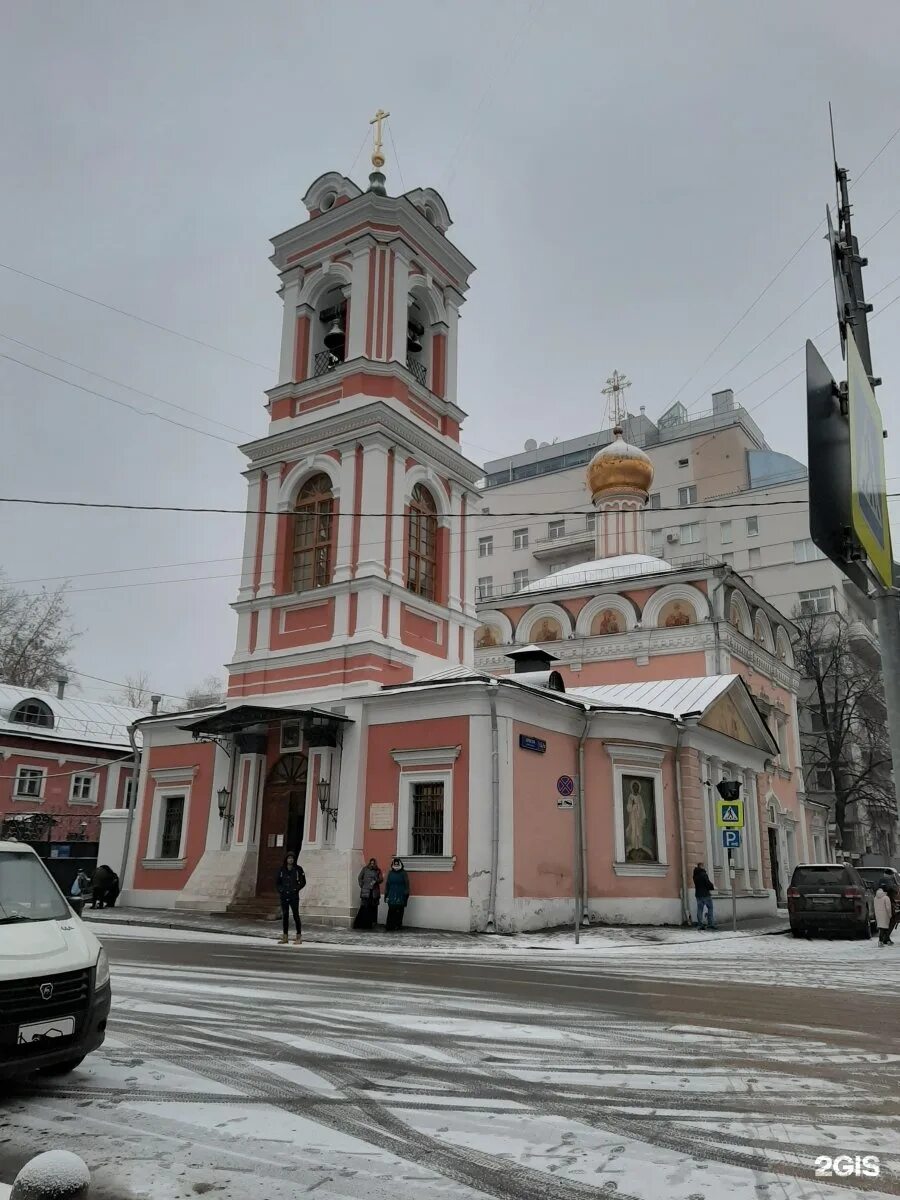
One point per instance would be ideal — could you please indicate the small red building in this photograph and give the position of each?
(64, 758)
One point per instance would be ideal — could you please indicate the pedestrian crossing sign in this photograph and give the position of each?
(730, 814)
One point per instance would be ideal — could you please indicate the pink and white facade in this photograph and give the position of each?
(358, 722)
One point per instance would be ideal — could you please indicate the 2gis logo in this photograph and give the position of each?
(863, 1166)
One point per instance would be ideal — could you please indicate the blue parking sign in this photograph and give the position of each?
(731, 839)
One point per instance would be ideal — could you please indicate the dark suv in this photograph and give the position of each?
(830, 897)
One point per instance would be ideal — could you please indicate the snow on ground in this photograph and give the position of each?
(738, 958)
(241, 1079)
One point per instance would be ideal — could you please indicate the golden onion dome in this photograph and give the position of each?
(619, 465)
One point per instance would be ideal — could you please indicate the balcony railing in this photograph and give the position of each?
(417, 368)
(324, 362)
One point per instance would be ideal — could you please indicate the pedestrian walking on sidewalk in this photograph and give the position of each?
(884, 915)
(396, 893)
(703, 890)
(370, 880)
(290, 883)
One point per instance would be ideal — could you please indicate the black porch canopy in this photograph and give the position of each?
(315, 721)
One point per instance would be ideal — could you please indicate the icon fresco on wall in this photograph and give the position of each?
(487, 635)
(675, 613)
(639, 819)
(607, 621)
(547, 630)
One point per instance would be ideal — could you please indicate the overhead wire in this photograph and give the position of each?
(134, 316)
(118, 383)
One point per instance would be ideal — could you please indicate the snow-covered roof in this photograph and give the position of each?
(668, 697)
(601, 570)
(74, 720)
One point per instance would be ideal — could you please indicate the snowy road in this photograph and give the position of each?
(693, 1070)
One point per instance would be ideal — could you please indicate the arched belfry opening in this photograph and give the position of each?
(329, 339)
(418, 342)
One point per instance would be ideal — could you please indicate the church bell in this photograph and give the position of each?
(334, 338)
(413, 340)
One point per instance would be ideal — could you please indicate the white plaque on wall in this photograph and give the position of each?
(381, 816)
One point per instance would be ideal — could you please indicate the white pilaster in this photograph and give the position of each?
(452, 301)
(398, 503)
(347, 508)
(359, 296)
(454, 573)
(290, 294)
(251, 524)
(270, 531)
(374, 498)
(705, 783)
(401, 299)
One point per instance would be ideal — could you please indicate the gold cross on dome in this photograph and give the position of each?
(377, 155)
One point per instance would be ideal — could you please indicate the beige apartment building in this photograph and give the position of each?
(757, 522)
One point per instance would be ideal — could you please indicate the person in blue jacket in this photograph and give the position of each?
(290, 883)
(396, 893)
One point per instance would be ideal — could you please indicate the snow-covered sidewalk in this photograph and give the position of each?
(595, 939)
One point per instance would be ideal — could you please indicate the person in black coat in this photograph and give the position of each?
(703, 890)
(104, 888)
(289, 884)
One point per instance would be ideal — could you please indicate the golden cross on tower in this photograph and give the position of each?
(615, 387)
(377, 156)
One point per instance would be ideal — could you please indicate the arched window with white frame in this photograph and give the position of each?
(422, 549)
(313, 535)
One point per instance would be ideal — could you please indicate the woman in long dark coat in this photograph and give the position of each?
(370, 880)
(396, 893)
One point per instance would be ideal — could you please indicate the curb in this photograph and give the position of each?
(476, 939)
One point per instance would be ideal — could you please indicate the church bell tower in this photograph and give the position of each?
(355, 570)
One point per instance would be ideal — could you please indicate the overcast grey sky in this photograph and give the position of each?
(626, 177)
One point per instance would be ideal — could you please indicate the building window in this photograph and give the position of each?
(755, 556)
(687, 496)
(816, 601)
(824, 780)
(82, 791)
(781, 737)
(807, 551)
(725, 532)
(520, 539)
(689, 534)
(728, 559)
(32, 712)
(485, 547)
(29, 782)
(520, 579)
(313, 540)
(656, 541)
(655, 500)
(427, 818)
(290, 736)
(486, 587)
(128, 792)
(556, 529)
(752, 526)
(171, 827)
(590, 522)
(422, 569)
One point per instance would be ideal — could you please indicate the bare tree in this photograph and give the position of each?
(210, 690)
(135, 692)
(36, 636)
(844, 738)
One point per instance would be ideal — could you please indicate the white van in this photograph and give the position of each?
(54, 974)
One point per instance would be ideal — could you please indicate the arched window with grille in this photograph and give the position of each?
(421, 570)
(32, 712)
(312, 551)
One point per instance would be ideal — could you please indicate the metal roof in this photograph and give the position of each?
(74, 720)
(668, 697)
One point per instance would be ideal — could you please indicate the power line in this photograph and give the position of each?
(118, 383)
(118, 683)
(121, 403)
(134, 317)
(396, 155)
(256, 512)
